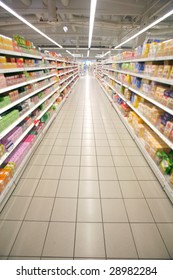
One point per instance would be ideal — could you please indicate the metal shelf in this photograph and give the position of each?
(157, 58)
(19, 54)
(61, 74)
(22, 69)
(9, 88)
(9, 128)
(165, 139)
(62, 67)
(170, 111)
(143, 76)
(67, 83)
(11, 185)
(9, 106)
(47, 108)
(62, 81)
(162, 179)
(6, 155)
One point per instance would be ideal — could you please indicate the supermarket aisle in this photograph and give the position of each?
(87, 191)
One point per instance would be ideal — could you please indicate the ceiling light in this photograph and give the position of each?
(65, 28)
(106, 53)
(88, 53)
(69, 53)
(98, 55)
(4, 6)
(77, 55)
(146, 28)
(92, 16)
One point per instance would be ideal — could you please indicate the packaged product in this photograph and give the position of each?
(165, 118)
(140, 130)
(171, 73)
(2, 81)
(138, 51)
(160, 155)
(160, 49)
(6, 174)
(166, 165)
(127, 93)
(154, 70)
(153, 49)
(2, 150)
(6, 43)
(139, 67)
(136, 100)
(168, 93)
(145, 50)
(168, 47)
(160, 71)
(127, 79)
(171, 178)
(166, 71)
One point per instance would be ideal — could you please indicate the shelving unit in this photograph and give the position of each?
(56, 89)
(32, 81)
(143, 59)
(162, 179)
(105, 83)
(143, 76)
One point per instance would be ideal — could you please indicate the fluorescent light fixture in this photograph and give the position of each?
(88, 53)
(98, 55)
(8, 9)
(65, 28)
(106, 53)
(92, 17)
(69, 53)
(78, 55)
(146, 28)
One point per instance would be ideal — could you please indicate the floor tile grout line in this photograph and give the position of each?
(101, 208)
(29, 203)
(77, 206)
(126, 208)
(27, 207)
(158, 228)
(54, 200)
(89, 197)
(84, 222)
(30, 199)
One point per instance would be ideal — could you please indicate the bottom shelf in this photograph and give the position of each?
(160, 176)
(16, 177)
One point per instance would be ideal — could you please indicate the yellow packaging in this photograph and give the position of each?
(154, 70)
(171, 73)
(136, 101)
(1, 43)
(145, 50)
(3, 59)
(168, 47)
(166, 71)
(160, 49)
(160, 71)
(171, 178)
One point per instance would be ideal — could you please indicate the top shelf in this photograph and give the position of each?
(20, 54)
(159, 58)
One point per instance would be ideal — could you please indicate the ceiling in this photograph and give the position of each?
(115, 20)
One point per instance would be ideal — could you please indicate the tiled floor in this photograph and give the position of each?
(87, 191)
